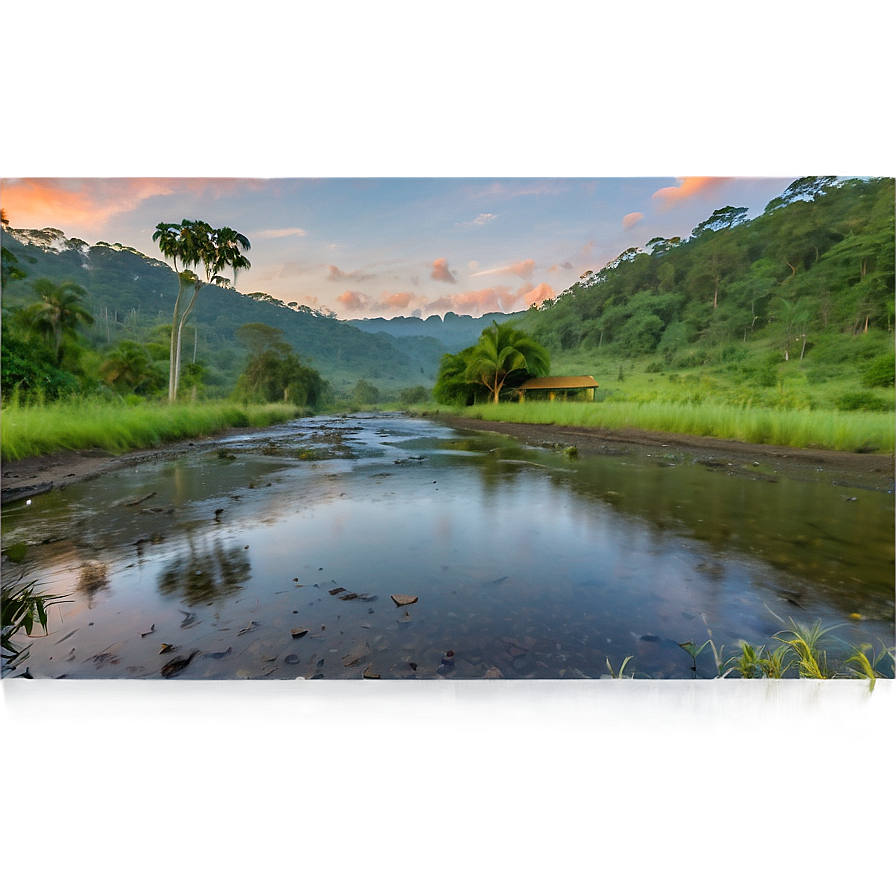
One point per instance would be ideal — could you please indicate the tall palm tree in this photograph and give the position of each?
(503, 351)
(58, 312)
(194, 244)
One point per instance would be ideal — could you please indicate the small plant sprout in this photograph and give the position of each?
(619, 674)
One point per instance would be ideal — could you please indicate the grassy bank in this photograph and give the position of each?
(865, 431)
(84, 424)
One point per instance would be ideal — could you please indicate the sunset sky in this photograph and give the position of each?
(367, 247)
(557, 140)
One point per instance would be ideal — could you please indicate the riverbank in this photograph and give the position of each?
(600, 440)
(35, 475)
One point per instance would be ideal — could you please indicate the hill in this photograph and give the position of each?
(131, 296)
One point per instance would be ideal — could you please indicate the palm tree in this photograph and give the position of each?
(58, 312)
(195, 244)
(127, 367)
(503, 351)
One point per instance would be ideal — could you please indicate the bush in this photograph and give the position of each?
(862, 401)
(880, 372)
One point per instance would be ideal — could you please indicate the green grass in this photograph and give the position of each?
(866, 431)
(116, 427)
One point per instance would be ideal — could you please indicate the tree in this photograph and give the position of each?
(274, 372)
(365, 393)
(58, 313)
(128, 368)
(721, 219)
(196, 244)
(501, 352)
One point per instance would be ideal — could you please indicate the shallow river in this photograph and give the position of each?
(277, 555)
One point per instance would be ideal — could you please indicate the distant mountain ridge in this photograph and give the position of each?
(454, 331)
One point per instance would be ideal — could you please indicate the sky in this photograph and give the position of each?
(472, 162)
(387, 247)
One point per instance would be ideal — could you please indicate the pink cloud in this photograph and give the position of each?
(440, 271)
(396, 299)
(560, 266)
(688, 188)
(84, 204)
(631, 219)
(352, 301)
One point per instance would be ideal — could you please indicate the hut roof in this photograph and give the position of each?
(560, 382)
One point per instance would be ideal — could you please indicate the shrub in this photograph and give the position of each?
(880, 372)
(862, 401)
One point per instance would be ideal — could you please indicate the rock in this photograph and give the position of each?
(369, 673)
(292, 659)
(299, 632)
(403, 600)
(493, 672)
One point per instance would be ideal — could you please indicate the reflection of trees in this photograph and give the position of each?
(204, 573)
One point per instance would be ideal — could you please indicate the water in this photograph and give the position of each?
(277, 556)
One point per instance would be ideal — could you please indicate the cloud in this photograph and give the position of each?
(478, 221)
(333, 273)
(352, 301)
(80, 203)
(493, 298)
(396, 299)
(286, 231)
(440, 271)
(522, 269)
(631, 219)
(560, 266)
(688, 188)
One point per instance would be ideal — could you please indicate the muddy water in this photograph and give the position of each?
(277, 556)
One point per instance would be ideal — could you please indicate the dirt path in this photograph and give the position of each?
(34, 475)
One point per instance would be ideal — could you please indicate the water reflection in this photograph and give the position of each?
(204, 574)
(525, 563)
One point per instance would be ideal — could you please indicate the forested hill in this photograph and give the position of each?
(818, 261)
(131, 296)
(454, 331)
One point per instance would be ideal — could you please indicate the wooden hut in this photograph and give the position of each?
(562, 386)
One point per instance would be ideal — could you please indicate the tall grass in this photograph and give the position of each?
(83, 424)
(868, 431)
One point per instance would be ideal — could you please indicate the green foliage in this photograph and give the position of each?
(880, 372)
(57, 314)
(815, 268)
(414, 395)
(862, 401)
(274, 372)
(129, 368)
(29, 370)
(116, 426)
(365, 394)
(505, 357)
(452, 386)
(20, 607)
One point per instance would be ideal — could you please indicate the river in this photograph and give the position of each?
(277, 555)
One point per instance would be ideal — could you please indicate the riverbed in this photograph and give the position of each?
(389, 547)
